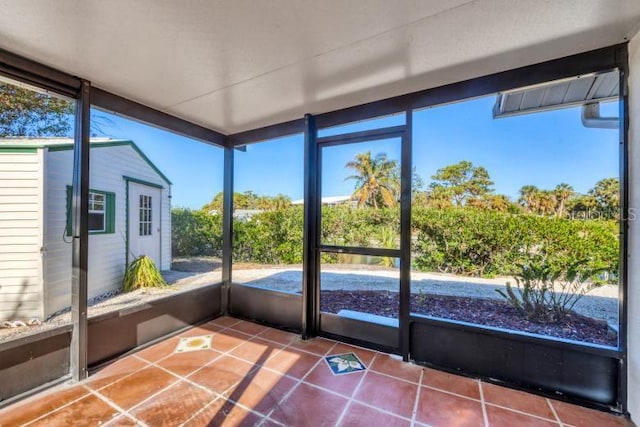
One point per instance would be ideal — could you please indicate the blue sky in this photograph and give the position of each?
(542, 149)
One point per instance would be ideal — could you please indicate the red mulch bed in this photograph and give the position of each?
(481, 311)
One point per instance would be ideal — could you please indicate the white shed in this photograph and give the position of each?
(129, 215)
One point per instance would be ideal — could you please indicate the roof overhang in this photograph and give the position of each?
(571, 92)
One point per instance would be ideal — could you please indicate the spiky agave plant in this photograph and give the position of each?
(142, 273)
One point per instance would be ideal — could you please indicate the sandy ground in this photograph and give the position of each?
(600, 303)
(179, 282)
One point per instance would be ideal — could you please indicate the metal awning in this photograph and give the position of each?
(572, 92)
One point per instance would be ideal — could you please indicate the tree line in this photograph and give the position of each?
(377, 185)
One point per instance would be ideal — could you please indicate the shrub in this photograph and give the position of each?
(270, 237)
(142, 273)
(195, 233)
(547, 293)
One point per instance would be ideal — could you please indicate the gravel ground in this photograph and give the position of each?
(601, 303)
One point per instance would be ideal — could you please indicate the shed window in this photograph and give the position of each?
(145, 215)
(101, 211)
(97, 211)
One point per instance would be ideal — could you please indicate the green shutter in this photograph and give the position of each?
(69, 223)
(110, 221)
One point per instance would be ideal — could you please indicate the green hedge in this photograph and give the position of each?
(195, 233)
(487, 243)
(452, 240)
(271, 237)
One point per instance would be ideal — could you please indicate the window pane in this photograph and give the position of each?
(96, 222)
(517, 224)
(159, 209)
(360, 287)
(360, 194)
(268, 214)
(35, 219)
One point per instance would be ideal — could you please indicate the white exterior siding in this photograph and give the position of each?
(107, 252)
(21, 216)
(165, 224)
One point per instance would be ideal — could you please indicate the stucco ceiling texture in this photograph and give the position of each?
(234, 65)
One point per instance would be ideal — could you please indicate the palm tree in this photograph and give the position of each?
(376, 179)
(545, 202)
(499, 202)
(562, 192)
(528, 195)
(607, 193)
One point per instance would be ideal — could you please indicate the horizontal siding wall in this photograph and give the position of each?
(165, 244)
(58, 246)
(21, 198)
(107, 252)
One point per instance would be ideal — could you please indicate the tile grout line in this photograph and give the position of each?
(299, 381)
(485, 415)
(182, 378)
(355, 391)
(87, 382)
(201, 410)
(86, 385)
(149, 397)
(222, 353)
(59, 407)
(414, 414)
(218, 395)
(328, 353)
(352, 398)
(555, 413)
(441, 390)
(118, 408)
(360, 402)
(214, 393)
(253, 369)
(495, 405)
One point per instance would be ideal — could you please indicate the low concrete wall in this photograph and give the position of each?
(280, 309)
(32, 361)
(132, 327)
(588, 375)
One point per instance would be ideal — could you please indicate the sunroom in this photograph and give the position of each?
(334, 213)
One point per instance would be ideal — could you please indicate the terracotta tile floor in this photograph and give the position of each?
(252, 375)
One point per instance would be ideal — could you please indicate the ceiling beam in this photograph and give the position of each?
(268, 132)
(33, 73)
(116, 104)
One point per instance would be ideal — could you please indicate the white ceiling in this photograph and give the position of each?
(234, 65)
